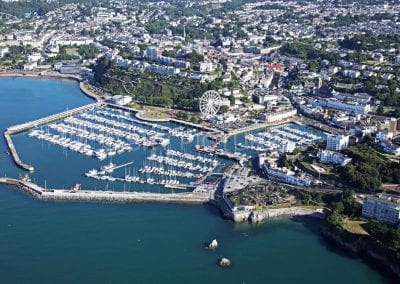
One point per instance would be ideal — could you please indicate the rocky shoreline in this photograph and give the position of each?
(361, 247)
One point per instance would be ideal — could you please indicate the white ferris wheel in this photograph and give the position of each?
(210, 103)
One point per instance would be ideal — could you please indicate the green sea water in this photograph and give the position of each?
(58, 242)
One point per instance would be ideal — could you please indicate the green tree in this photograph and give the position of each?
(232, 100)
(224, 109)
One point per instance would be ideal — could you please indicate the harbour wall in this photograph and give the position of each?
(14, 153)
(104, 196)
(48, 119)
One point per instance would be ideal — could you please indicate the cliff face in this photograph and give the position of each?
(362, 247)
(259, 216)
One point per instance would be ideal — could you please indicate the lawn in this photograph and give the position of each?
(154, 114)
(354, 226)
(136, 106)
(327, 170)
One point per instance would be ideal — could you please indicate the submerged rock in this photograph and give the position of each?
(212, 245)
(224, 262)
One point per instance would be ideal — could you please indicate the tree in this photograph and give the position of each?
(194, 57)
(380, 110)
(232, 100)
(338, 207)
(224, 109)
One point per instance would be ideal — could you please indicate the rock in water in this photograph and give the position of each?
(213, 244)
(224, 262)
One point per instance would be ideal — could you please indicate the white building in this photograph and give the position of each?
(285, 175)
(206, 67)
(351, 106)
(378, 57)
(121, 100)
(71, 41)
(261, 99)
(30, 66)
(361, 98)
(351, 73)
(269, 167)
(225, 118)
(337, 142)
(34, 57)
(4, 51)
(162, 70)
(384, 208)
(279, 116)
(332, 157)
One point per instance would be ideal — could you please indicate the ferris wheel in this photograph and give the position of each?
(210, 103)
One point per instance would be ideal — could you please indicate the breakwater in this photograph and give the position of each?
(104, 196)
(48, 119)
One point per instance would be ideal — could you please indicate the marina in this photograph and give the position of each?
(281, 138)
(98, 134)
(163, 157)
(150, 156)
(153, 157)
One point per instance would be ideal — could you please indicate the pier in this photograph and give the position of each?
(105, 196)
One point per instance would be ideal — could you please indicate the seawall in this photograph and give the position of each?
(255, 216)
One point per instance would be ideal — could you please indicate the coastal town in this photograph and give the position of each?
(260, 108)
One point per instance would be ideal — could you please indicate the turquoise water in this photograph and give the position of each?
(45, 242)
